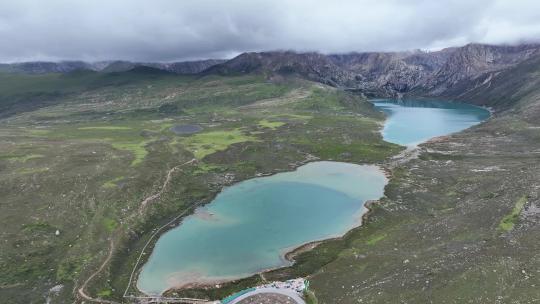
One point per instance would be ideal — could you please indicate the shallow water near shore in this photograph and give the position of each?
(411, 122)
(249, 226)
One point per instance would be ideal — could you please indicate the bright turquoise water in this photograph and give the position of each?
(411, 122)
(249, 226)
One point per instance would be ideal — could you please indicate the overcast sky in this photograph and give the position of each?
(167, 30)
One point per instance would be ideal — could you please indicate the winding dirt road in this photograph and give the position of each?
(155, 196)
(81, 291)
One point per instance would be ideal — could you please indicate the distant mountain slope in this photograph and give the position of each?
(39, 67)
(42, 67)
(191, 67)
(184, 67)
(313, 66)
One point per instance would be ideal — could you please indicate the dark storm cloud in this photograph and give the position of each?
(164, 30)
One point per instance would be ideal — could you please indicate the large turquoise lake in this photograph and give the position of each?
(249, 226)
(410, 122)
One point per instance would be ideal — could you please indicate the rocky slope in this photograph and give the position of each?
(389, 74)
(476, 60)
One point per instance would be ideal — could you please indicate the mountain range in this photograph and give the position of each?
(44, 67)
(384, 74)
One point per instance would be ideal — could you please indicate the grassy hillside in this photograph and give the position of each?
(81, 152)
(26, 92)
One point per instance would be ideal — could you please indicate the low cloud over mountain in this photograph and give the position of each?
(167, 30)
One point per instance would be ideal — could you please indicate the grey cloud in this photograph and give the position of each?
(166, 30)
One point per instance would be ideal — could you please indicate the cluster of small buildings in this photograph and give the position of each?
(297, 285)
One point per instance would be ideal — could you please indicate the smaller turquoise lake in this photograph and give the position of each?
(410, 122)
(249, 226)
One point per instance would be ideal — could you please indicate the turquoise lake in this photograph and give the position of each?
(410, 122)
(249, 226)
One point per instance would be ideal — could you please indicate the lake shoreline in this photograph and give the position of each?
(177, 220)
(368, 206)
(411, 122)
(285, 256)
(288, 255)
